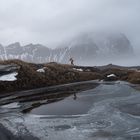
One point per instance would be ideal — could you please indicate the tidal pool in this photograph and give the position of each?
(109, 111)
(75, 104)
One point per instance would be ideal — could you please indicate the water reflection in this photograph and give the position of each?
(75, 96)
(59, 95)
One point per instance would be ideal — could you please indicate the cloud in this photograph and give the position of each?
(51, 21)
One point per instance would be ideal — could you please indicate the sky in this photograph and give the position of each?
(50, 22)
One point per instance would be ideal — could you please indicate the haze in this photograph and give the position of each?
(50, 22)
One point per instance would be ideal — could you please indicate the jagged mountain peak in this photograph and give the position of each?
(84, 48)
(16, 44)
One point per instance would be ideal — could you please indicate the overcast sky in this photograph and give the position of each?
(51, 21)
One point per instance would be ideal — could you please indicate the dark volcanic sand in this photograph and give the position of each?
(7, 135)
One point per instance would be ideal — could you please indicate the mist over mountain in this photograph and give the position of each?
(99, 48)
(85, 49)
(108, 28)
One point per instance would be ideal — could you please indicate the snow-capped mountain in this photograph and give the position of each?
(83, 48)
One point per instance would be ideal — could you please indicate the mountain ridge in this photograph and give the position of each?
(83, 48)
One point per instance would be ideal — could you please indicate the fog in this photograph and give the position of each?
(50, 22)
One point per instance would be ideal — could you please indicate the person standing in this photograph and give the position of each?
(71, 61)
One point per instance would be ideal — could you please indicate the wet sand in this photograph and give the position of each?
(5, 134)
(61, 99)
(111, 111)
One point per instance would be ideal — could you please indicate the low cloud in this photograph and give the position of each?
(51, 21)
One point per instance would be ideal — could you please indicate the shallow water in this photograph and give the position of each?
(75, 104)
(111, 111)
